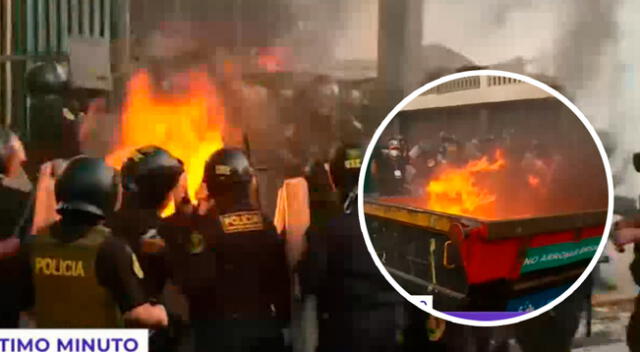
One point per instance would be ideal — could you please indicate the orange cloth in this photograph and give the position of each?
(292, 216)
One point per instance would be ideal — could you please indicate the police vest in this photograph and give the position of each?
(67, 293)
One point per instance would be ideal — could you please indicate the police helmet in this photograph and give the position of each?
(87, 185)
(47, 78)
(147, 162)
(344, 166)
(151, 173)
(227, 167)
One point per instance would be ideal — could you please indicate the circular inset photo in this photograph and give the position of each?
(487, 198)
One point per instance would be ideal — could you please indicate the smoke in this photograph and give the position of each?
(501, 29)
(625, 124)
(325, 32)
(587, 45)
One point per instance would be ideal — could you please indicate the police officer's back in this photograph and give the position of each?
(16, 211)
(149, 176)
(84, 277)
(235, 274)
(357, 305)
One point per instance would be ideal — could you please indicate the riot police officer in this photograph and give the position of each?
(356, 306)
(16, 212)
(233, 265)
(82, 275)
(392, 170)
(149, 176)
(54, 126)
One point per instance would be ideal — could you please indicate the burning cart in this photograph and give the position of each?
(511, 229)
(475, 264)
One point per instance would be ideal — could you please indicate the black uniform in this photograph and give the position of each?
(234, 274)
(149, 175)
(131, 225)
(231, 264)
(391, 175)
(54, 131)
(356, 306)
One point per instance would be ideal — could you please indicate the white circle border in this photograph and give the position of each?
(476, 73)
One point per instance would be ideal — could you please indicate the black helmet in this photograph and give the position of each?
(149, 161)
(151, 173)
(87, 185)
(227, 167)
(344, 166)
(317, 178)
(47, 78)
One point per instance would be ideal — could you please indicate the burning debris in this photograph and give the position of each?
(188, 124)
(458, 190)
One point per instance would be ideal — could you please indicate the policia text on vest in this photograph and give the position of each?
(59, 267)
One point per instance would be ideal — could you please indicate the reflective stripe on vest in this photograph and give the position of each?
(67, 291)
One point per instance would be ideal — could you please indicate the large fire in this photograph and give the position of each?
(188, 124)
(458, 190)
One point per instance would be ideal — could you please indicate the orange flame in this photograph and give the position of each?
(456, 191)
(534, 181)
(273, 59)
(270, 63)
(189, 125)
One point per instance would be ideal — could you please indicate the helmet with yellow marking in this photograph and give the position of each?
(225, 168)
(344, 166)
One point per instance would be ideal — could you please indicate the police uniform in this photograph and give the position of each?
(149, 174)
(356, 306)
(54, 131)
(391, 175)
(82, 276)
(232, 264)
(132, 225)
(235, 277)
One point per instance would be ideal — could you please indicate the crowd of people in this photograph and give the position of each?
(109, 259)
(399, 169)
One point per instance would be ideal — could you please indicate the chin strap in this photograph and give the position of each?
(348, 204)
